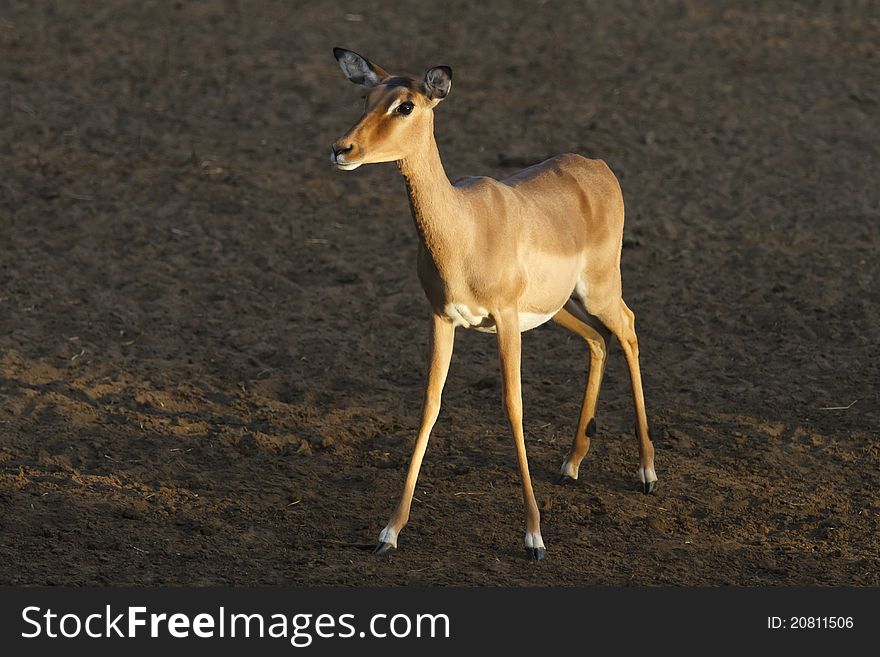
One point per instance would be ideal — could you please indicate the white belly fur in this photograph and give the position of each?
(528, 321)
(461, 315)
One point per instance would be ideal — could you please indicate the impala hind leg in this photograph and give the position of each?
(509, 350)
(575, 319)
(442, 337)
(622, 322)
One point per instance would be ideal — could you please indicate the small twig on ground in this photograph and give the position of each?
(464, 493)
(839, 408)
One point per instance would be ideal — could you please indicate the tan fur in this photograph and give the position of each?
(544, 242)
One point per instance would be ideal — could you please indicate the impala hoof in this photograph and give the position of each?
(564, 480)
(535, 546)
(568, 472)
(648, 478)
(382, 547)
(536, 554)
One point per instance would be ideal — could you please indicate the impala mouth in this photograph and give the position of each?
(342, 165)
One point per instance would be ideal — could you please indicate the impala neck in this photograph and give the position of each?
(431, 196)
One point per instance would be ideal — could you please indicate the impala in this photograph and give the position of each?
(501, 257)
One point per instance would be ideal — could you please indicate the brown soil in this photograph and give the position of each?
(212, 345)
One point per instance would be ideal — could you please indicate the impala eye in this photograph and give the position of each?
(405, 108)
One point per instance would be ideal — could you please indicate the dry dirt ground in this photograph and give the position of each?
(212, 345)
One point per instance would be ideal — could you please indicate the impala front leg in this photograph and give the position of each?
(442, 337)
(509, 349)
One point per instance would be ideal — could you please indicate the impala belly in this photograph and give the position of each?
(550, 283)
(528, 321)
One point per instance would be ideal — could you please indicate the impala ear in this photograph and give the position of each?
(438, 82)
(358, 69)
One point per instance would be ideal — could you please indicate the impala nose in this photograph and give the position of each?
(344, 155)
(341, 149)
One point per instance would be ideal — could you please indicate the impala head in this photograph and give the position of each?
(398, 113)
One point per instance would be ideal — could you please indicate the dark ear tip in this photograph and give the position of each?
(338, 52)
(446, 71)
